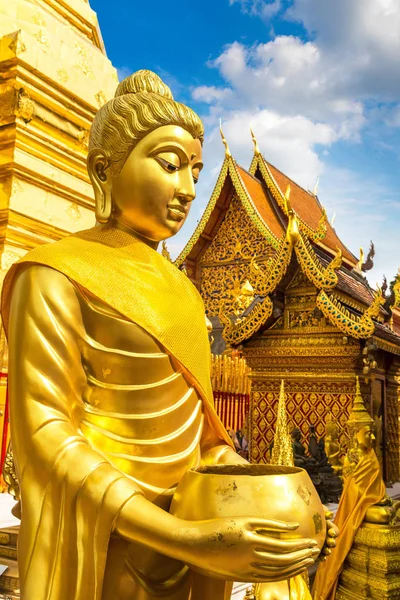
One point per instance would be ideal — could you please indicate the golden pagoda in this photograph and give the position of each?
(55, 75)
(314, 320)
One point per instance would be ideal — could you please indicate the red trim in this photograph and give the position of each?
(5, 426)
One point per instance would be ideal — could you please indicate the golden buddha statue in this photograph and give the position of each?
(332, 446)
(109, 380)
(363, 497)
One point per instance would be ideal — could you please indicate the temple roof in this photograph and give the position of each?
(308, 209)
(272, 201)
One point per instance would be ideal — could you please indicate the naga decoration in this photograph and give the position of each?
(323, 279)
(360, 327)
(369, 263)
(396, 291)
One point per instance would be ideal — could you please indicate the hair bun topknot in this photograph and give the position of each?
(143, 81)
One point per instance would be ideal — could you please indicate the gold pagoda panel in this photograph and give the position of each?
(225, 264)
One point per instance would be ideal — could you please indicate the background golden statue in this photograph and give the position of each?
(109, 378)
(363, 497)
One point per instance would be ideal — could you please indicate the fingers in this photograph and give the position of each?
(289, 560)
(270, 525)
(330, 542)
(263, 573)
(333, 530)
(268, 544)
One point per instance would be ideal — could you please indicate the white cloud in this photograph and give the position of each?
(259, 8)
(302, 97)
(210, 94)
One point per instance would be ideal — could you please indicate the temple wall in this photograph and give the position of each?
(317, 362)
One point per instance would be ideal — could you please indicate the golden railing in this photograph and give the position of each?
(231, 386)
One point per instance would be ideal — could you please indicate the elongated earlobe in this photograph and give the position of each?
(100, 177)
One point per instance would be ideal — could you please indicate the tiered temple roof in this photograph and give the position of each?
(265, 204)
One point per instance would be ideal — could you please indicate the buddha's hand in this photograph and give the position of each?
(332, 532)
(241, 549)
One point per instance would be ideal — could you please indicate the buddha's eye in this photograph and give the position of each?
(169, 161)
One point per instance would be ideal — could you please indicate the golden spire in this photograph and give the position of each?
(282, 452)
(359, 414)
(225, 143)
(256, 148)
(333, 218)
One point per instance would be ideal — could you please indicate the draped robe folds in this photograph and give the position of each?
(71, 493)
(362, 489)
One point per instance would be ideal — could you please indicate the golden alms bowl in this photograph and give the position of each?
(266, 491)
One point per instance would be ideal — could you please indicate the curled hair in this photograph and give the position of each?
(142, 103)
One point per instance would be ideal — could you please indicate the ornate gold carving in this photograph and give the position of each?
(73, 211)
(338, 315)
(237, 238)
(265, 280)
(225, 266)
(25, 106)
(304, 319)
(206, 215)
(235, 332)
(62, 75)
(101, 98)
(82, 62)
(396, 291)
(41, 34)
(307, 402)
(325, 279)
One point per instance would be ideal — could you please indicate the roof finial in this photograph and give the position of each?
(359, 265)
(256, 148)
(225, 143)
(287, 199)
(315, 190)
(333, 218)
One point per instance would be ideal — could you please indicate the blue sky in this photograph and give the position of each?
(319, 82)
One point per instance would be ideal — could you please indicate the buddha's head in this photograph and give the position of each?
(145, 157)
(365, 437)
(332, 430)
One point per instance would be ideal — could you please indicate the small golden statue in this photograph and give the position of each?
(363, 497)
(109, 379)
(332, 446)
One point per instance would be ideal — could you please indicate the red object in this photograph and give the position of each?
(5, 426)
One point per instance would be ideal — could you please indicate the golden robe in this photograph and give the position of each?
(362, 489)
(110, 396)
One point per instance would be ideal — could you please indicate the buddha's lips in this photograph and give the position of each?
(178, 212)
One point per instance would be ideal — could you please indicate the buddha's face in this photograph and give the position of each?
(153, 192)
(365, 438)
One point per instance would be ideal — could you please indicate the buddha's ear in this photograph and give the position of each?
(98, 168)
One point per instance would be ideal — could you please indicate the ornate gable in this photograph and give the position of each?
(225, 265)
